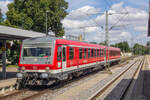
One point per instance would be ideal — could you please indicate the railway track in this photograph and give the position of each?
(32, 94)
(25, 94)
(122, 93)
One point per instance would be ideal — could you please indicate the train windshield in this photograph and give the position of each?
(37, 50)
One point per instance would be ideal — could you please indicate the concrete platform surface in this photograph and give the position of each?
(11, 72)
(7, 82)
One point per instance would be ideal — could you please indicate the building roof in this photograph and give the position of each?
(19, 34)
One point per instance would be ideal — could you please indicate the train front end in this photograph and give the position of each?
(35, 61)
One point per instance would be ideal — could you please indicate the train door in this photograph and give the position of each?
(64, 57)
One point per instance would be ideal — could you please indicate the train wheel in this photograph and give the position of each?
(70, 77)
(18, 84)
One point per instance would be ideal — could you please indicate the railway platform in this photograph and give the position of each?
(11, 73)
(9, 83)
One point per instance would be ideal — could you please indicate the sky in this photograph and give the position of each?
(127, 20)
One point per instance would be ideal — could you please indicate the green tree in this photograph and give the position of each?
(102, 43)
(1, 16)
(31, 15)
(13, 52)
(124, 46)
(148, 47)
(139, 49)
(93, 42)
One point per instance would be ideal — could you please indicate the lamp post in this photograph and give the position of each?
(107, 39)
(46, 22)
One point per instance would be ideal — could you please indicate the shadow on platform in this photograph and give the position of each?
(140, 90)
(8, 75)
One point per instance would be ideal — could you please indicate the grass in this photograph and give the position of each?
(9, 65)
(12, 65)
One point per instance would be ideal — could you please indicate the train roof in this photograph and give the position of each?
(39, 39)
(65, 42)
(70, 42)
(77, 43)
(112, 48)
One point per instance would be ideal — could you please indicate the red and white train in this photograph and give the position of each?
(45, 60)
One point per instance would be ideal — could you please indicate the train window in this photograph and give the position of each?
(114, 53)
(88, 52)
(37, 50)
(59, 54)
(95, 52)
(111, 53)
(80, 53)
(99, 52)
(84, 52)
(71, 53)
(92, 52)
(64, 54)
(102, 52)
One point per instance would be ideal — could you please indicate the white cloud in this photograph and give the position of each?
(126, 35)
(91, 29)
(76, 23)
(140, 28)
(135, 22)
(118, 7)
(82, 12)
(3, 6)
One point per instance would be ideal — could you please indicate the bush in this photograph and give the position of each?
(13, 52)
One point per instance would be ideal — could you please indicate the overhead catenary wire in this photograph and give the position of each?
(110, 8)
(100, 26)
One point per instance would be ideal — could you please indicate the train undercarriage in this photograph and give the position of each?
(36, 78)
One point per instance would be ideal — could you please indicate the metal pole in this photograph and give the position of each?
(106, 28)
(106, 39)
(132, 46)
(4, 60)
(46, 23)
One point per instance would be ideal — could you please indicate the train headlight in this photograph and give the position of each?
(47, 68)
(19, 69)
(23, 68)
